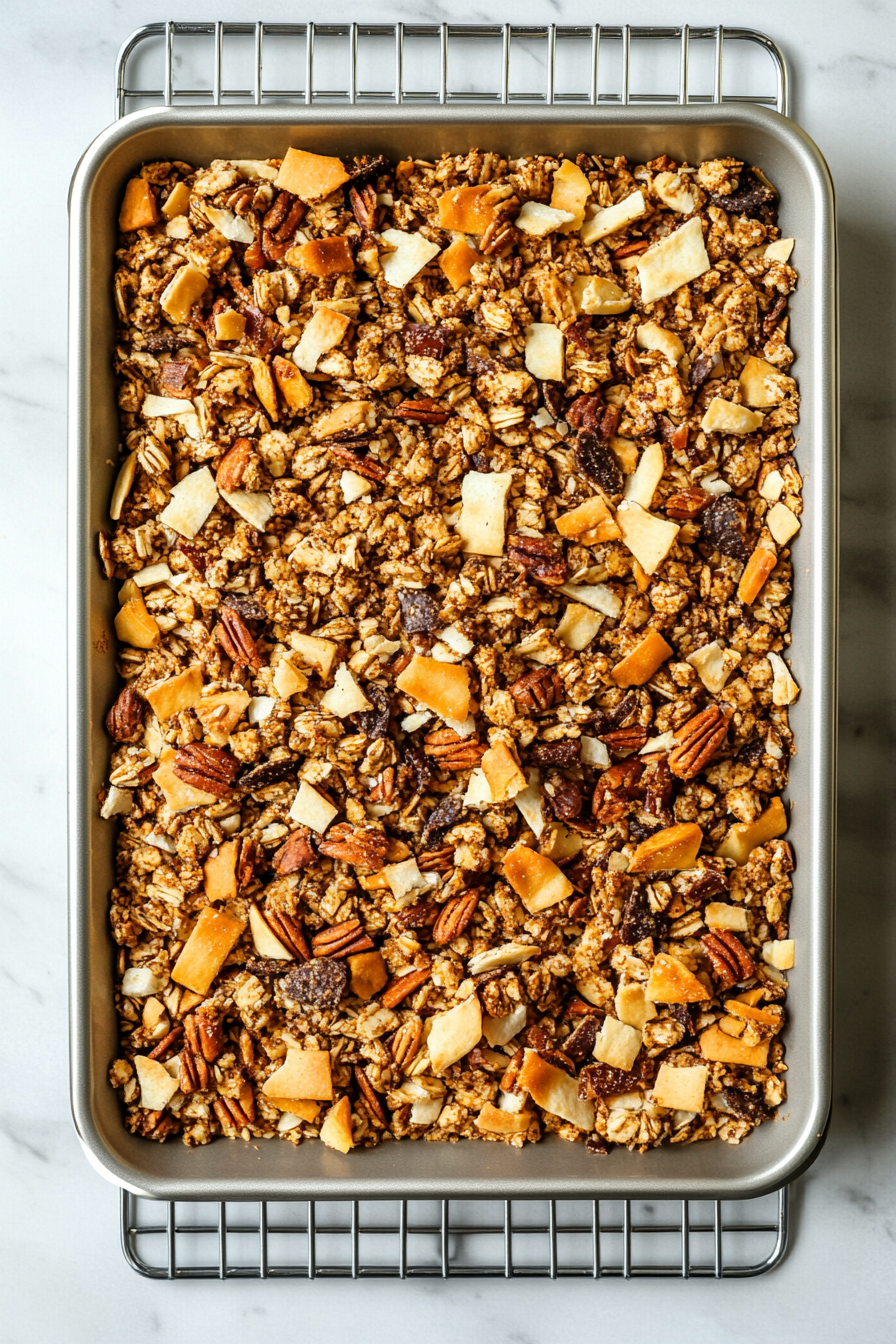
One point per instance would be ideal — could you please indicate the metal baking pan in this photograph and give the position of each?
(468, 1169)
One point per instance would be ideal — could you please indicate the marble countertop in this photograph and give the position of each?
(65, 1278)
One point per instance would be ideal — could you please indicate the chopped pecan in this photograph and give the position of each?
(270, 772)
(697, 741)
(731, 963)
(398, 989)
(173, 375)
(230, 1113)
(500, 233)
(538, 690)
(616, 791)
(296, 854)
(369, 1096)
(577, 333)
(450, 751)
(541, 558)
(585, 412)
(212, 769)
(232, 467)
(289, 931)
(675, 435)
(125, 719)
(236, 640)
(416, 916)
(367, 467)
(436, 860)
(455, 916)
(631, 249)
(423, 411)
(625, 741)
(566, 752)
(363, 846)
(167, 1042)
(341, 940)
(686, 504)
(406, 1042)
(510, 1076)
(383, 789)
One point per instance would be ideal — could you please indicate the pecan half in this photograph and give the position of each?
(538, 690)
(364, 206)
(452, 752)
(125, 718)
(500, 233)
(436, 860)
(416, 916)
(296, 854)
(204, 1033)
(341, 940)
(688, 503)
(369, 1096)
(455, 916)
(166, 1043)
(423, 411)
(697, 741)
(363, 846)
(624, 741)
(194, 1074)
(212, 769)
(290, 932)
(230, 1113)
(731, 963)
(540, 558)
(398, 989)
(631, 249)
(367, 467)
(406, 1042)
(232, 467)
(236, 640)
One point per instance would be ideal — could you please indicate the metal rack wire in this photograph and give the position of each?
(303, 63)
(442, 1239)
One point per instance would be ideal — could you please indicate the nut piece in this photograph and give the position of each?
(211, 769)
(125, 719)
(232, 467)
(697, 741)
(451, 751)
(406, 1042)
(236, 639)
(399, 989)
(455, 916)
(538, 690)
(341, 940)
(363, 846)
(731, 962)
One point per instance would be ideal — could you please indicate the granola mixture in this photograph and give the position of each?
(452, 529)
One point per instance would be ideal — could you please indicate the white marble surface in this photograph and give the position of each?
(64, 1275)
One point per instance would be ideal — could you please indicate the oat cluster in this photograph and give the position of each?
(452, 530)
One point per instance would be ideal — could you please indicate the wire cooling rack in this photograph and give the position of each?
(303, 63)
(176, 64)
(441, 1239)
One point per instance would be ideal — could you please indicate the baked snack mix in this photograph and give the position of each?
(452, 532)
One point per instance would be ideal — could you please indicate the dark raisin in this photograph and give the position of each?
(263, 334)
(724, 524)
(263, 776)
(639, 921)
(419, 611)
(579, 1045)
(601, 1080)
(443, 815)
(479, 360)
(752, 198)
(321, 981)
(418, 765)
(375, 722)
(744, 1106)
(597, 460)
(595, 1144)
(579, 873)
(364, 169)
(564, 753)
(420, 339)
(564, 796)
(681, 1013)
(553, 398)
(701, 368)
(247, 607)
